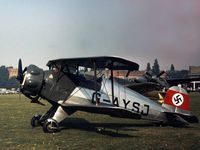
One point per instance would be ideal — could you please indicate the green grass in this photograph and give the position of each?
(80, 130)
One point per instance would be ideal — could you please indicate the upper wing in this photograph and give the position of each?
(114, 63)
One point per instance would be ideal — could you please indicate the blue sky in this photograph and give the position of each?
(139, 30)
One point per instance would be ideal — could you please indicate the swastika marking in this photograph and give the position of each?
(177, 99)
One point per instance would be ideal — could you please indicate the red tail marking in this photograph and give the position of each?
(177, 99)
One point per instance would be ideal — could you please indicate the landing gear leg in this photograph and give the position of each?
(52, 124)
(39, 120)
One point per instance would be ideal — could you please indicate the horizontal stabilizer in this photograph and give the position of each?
(190, 119)
(176, 119)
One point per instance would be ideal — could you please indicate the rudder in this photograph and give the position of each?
(177, 100)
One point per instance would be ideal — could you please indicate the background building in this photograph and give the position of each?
(194, 71)
(12, 72)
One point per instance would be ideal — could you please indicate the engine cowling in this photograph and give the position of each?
(33, 80)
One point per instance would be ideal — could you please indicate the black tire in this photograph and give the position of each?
(50, 126)
(35, 121)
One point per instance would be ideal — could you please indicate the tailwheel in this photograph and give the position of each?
(50, 126)
(35, 121)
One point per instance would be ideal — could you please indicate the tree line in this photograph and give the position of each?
(6, 82)
(172, 73)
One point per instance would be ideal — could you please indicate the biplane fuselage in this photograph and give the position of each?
(124, 98)
(68, 91)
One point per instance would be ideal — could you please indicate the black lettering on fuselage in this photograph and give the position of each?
(147, 110)
(125, 103)
(96, 97)
(116, 102)
(136, 107)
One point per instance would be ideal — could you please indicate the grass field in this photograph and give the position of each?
(81, 132)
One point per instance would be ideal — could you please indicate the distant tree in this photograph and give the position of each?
(4, 75)
(172, 68)
(156, 68)
(148, 67)
(12, 83)
(178, 74)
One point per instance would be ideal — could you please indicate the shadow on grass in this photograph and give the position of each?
(110, 129)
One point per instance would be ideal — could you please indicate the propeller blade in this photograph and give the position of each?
(160, 74)
(148, 76)
(20, 72)
(148, 73)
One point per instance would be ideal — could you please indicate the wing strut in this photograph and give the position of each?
(112, 83)
(95, 82)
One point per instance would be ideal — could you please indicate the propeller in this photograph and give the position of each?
(20, 78)
(20, 72)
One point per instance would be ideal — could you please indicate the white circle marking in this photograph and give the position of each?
(177, 99)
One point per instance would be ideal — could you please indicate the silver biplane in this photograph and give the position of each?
(68, 90)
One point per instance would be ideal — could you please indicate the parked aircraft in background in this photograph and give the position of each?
(6, 91)
(155, 87)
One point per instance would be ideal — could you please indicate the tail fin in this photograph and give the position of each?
(177, 100)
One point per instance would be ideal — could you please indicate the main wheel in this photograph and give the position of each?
(50, 126)
(35, 121)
